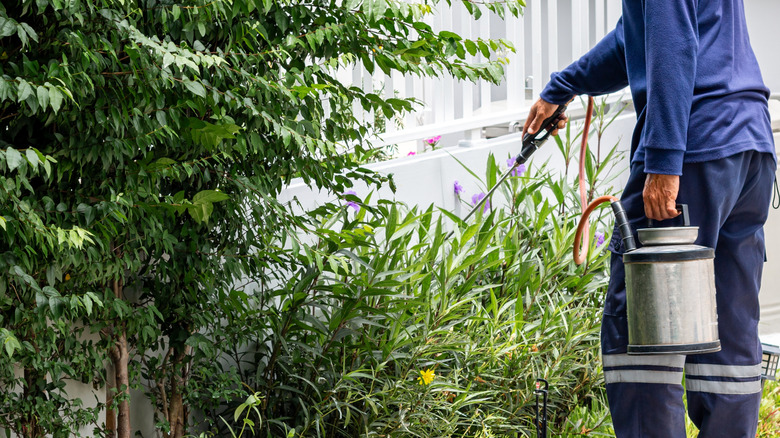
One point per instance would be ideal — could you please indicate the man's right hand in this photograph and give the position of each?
(540, 111)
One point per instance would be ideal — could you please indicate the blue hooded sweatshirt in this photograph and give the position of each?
(695, 81)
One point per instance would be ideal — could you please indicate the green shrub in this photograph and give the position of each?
(380, 298)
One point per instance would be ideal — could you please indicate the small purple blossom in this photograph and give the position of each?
(478, 197)
(411, 153)
(352, 203)
(517, 171)
(599, 238)
(458, 188)
(433, 140)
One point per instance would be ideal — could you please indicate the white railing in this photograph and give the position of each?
(549, 36)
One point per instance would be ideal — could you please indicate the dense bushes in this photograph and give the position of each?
(142, 147)
(381, 302)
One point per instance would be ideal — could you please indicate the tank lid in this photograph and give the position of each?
(668, 235)
(669, 253)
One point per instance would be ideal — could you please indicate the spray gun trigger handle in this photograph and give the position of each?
(548, 125)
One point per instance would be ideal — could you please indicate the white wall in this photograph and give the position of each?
(427, 178)
(762, 17)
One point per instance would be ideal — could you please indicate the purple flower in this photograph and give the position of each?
(458, 188)
(517, 170)
(352, 203)
(478, 197)
(599, 238)
(411, 153)
(433, 140)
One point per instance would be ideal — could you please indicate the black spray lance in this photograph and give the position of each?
(531, 142)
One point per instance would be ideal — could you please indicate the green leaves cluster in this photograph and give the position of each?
(381, 296)
(143, 146)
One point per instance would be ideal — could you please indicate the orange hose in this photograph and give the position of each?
(584, 151)
(583, 189)
(583, 225)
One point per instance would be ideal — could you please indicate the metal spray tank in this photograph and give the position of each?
(670, 286)
(670, 292)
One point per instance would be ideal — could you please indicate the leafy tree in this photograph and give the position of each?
(143, 143)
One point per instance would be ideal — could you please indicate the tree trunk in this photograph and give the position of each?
(178, 416)
(123, 383)
(120, 358)
(30, 427)
(110, 412)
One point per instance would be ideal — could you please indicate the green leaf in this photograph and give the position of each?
(88, 304)
(10, 343)
(209, 196)
(471, 47)
(238, 411)
(7, 27)
(29, 30)
(43, 97)
(56, 98)
(168, 60)
(57, 306)
(195, 87)
(32, 157)
(211, 135)
(24, 91)
(13, 158)
(5, 89)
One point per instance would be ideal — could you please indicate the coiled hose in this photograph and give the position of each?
(586, 210)
(620, 214)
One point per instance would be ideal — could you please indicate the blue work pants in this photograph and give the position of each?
(728, 200)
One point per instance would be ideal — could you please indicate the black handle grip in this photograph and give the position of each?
(682, 208)
(621, 219)
(531, 142)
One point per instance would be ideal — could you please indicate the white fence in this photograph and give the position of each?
(549, 35)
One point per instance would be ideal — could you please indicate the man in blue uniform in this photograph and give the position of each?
(703, 137)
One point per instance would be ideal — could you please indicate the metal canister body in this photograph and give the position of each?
(670, 294)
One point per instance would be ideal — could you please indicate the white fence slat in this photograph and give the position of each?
(446, 111)
(357, 81)
(614, 11)
(585, 4)
(535, 7)
(600, 17)
(576, 29)
(483, 32)
(466, 87)
(552, 39)
(515, 71)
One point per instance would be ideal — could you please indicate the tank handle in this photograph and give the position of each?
(682, 208)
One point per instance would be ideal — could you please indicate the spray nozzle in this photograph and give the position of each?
(532, 142)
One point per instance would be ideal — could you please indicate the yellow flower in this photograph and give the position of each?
(426, 377)
(67, 277)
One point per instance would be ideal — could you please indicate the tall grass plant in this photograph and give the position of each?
(384, 328)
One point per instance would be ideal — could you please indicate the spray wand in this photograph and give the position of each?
(531, 142)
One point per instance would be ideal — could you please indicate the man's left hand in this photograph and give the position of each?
(660, 196)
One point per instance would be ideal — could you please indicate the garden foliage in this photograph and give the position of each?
(384, 328)
(142, 146)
